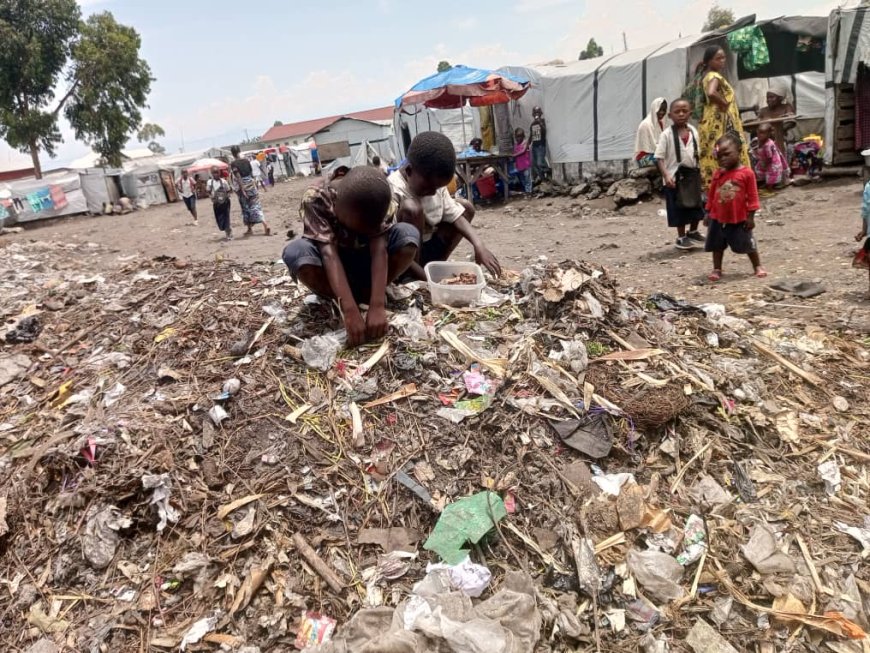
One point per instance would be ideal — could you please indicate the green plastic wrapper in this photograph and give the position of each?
(467, 520)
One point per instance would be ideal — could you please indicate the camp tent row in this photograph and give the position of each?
(593, 107)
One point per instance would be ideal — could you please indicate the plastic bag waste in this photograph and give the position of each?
(320, 352)
(100, 537)
(574, 353)
(591, 435)
(162, 486)
(763, 552)
(467, 577)
(658, 572)
(467, 520)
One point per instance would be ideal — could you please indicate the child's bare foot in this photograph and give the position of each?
(268, 232)
(760, 272)
(714, 276)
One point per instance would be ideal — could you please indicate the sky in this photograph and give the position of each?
(226, 69)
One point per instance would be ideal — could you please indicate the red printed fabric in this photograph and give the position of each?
(733, 195)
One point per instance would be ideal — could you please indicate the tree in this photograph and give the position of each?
(151, 132)
(592, 51)
(106, 81)
(35, 41)
(277, 123)
(110, 85)
(717, 18)
(444, 66)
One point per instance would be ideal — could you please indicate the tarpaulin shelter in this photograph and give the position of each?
(50, 197)
(847, 89)
(593, 107)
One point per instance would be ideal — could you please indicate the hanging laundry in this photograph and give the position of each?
(749, 43)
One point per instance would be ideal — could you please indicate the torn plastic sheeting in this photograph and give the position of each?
(657, 572)
(507, 622)
(410, 324)
(591, 434)
(162, 486)
(762, 550)
(112, 396)
(320, 352)
(574, 353)
(830, 473)
(100, 538)
(198, 630)
(466, 576)
(862, 535)
(217, 414)
(466, 520)
(612, 483)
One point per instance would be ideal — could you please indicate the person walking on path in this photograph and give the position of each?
(249, 195)
(186, 186)
(721, 115)
(219, 191)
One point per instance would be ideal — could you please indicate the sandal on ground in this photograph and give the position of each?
(715, 275)
(760, 272)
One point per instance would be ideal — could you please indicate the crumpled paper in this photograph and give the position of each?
(162, 486)
(467, 577)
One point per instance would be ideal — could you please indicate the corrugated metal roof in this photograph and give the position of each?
(308, 127)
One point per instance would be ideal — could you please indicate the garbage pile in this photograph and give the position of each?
(191, 460)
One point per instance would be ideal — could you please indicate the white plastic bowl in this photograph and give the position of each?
(450, 294)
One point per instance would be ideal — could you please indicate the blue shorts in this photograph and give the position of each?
(357, 262)
(190, 202)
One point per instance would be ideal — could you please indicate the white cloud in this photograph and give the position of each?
(326, 92)
(526, 6)
(466, 24)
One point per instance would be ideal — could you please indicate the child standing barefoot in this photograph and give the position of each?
(731, 204)
(862, 256)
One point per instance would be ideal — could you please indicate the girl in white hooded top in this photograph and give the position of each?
(649, 131)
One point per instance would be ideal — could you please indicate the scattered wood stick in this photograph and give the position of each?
(809, 377)
(682, 473)
(405, 391)
(821, 589)
(317, 563)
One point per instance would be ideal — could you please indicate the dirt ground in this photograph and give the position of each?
(804, 233)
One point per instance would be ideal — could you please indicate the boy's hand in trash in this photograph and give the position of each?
(376, 322)
(356, 328)
(486, 258)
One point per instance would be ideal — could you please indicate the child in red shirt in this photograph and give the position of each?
(731, 205)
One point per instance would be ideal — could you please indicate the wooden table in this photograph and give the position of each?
(470, 169)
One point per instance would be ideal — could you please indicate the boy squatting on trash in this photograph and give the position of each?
(420, 188)
(351, 248)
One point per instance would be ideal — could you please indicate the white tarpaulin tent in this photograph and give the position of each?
(100, 185)
(593, 107)
(50, 197)
(453, 123)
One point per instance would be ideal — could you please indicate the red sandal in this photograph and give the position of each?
(714, 276)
